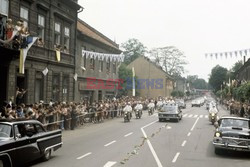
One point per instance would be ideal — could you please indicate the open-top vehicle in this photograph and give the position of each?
(23, 141)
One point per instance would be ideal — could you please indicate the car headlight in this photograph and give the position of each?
(217, 134)
(213, 114)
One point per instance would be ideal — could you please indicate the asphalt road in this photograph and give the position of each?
(145, 142)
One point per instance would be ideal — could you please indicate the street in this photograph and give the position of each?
(115, 143)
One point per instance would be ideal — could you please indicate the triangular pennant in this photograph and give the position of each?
(206, 55)
(221, 55)
(235, 52)
(226, 55)
(231, 54)
(245, 52)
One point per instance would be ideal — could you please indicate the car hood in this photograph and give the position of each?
(229, 132)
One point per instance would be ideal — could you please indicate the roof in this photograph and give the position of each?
(89, 31)
(246, 64)
(157, 66)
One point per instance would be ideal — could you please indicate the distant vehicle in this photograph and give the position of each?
(196, 103)
(181, 103)
(232, 133)
(170, 112)
(24, 141)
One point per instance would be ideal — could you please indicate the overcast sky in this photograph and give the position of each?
(194, 26)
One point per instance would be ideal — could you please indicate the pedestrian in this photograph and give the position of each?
(242, 111)
(19, 95)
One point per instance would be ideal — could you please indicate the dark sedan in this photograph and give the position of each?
(26, 140)
(170, 112)
(232, 133)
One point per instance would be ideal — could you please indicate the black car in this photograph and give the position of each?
(232, 133)
(170, 112)
(22, 141)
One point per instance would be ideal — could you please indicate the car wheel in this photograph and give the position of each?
(217, 151)
(47, 155)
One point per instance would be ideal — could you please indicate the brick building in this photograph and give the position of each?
(54, 22)
(89, 39)
(153, 81)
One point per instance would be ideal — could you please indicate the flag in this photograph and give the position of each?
(75, 77)
(45, 71)
(10, 39)
(58, 55)
(24, 51)
(133, 71)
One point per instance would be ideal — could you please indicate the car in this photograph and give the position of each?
(232, 133)
(170, 112)
(23, 141)
(181, 103)
(196, 103)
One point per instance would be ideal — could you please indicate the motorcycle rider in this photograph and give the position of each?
(213, 113)
(128, 109)
(138, 107)
(151, 107)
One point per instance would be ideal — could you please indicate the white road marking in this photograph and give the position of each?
(190, 115)
(206, 116)
(201, 116)
(128, 134)
(195, 124)
(109, 143)
(85, 155)
(184, 142)
(184, 115)
(150, 145)
(189, 133)
(195, 116)
(109, 164)
(175, 157)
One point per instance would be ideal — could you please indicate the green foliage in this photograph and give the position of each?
(124, 73)
(176, 93)
(133, 48)
(234, 69)
(242, 93)
(217, 77)
(197, 83)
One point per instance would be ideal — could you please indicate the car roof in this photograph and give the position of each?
(234, 117)
(17, 121)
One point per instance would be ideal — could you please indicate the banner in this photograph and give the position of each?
(58, 55)
(24, 51)
(236, 53)
(103, 56)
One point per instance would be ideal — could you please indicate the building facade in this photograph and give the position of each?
(180, 84)
(97, 66)
(152, 81)
(243, 74)
(54, 22)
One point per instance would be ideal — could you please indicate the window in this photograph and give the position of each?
(39, 128)
(84, 61)
(65, 88)
(92, 63)
(57, 38)
(24, 15)
(55, 88)
(4, 7)
(38, 87)
(66, 39)
(100, 65)
(41, 26)
(108, 65)
(114, 67)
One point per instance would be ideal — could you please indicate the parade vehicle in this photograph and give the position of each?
(196, 103)
(170, 112)
(181, 103)
(23, 141)
(232, 133)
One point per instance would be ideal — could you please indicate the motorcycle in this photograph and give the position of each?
(138, 114)
(150, 111)
(213, 117)
(127, 116)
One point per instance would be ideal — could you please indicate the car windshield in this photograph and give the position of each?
(5, 131)
(237, 123)
(169, 109)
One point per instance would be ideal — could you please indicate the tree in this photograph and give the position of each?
(217, 77)
(170, 59)
(196, 82)
(234, 69)
(124, 74)
(133, 48)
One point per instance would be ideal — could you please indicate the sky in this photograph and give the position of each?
(195, 27)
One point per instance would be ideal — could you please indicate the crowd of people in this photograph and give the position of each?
(238, 108)
(68, 115)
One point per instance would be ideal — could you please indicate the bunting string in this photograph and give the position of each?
(231, 54)
(103, 56)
